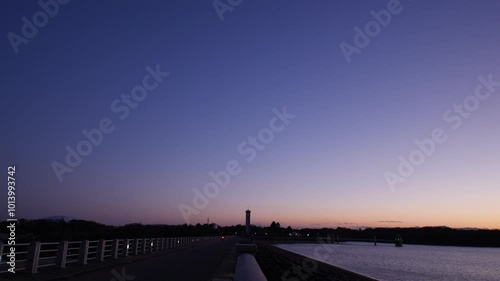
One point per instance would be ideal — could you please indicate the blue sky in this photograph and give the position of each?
(326, 168)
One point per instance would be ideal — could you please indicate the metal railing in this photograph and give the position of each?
(31, 257)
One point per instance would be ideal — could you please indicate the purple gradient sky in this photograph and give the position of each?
(325, 169)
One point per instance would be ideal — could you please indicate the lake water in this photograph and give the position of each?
(409, 263)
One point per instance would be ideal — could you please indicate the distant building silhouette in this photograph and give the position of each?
(247, 230)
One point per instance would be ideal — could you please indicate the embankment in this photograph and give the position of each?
(282, 265)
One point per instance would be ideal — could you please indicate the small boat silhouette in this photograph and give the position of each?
(398, 241)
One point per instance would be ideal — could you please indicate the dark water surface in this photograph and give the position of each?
(410, 262)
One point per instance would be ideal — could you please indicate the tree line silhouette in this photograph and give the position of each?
(75, 230)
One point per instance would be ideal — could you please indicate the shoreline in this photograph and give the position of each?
(286, 240)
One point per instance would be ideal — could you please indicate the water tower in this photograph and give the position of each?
(247, 230)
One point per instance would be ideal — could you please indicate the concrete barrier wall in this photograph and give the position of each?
(247, 269)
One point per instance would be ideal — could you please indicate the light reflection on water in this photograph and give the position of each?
(410, 262)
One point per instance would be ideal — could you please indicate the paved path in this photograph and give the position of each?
(198, 263)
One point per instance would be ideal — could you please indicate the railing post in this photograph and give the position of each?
(158, 243)
(32, 258)
(136, 246)
(101, 247)
(84, 252)
(1, 249)
(144, 245)
(114, 248)
(62, 252)
(126, 245)
(162, 244)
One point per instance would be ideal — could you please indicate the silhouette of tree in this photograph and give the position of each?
(76, 230)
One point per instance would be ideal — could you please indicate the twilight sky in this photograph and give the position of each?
(326, 167)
